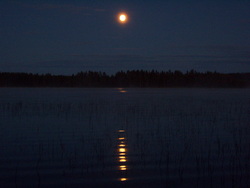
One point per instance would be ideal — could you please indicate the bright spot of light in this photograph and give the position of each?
(123, 167)
(123, 179)
(122, 160)
(122, 150)
(123, 17)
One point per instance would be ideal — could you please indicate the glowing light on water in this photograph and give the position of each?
(123, 167)
(122, 155)
(122, 160)
(123, 179)
(122, 150)
(121, 90)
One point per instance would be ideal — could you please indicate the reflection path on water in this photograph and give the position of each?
(169, 138)
(121, 90)
(122, 155)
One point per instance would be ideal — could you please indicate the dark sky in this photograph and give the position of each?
(69, 36)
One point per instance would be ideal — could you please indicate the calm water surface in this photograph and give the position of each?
(124, 137)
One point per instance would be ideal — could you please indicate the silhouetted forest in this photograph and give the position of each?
(135, 78)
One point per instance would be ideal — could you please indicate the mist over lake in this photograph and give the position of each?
(119, 137)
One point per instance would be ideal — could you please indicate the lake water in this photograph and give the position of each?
(51, 137)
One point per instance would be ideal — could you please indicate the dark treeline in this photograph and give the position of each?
(136, 78)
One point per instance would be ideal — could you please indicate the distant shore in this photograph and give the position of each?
(134, 78)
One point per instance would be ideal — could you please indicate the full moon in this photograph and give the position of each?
(123, 18)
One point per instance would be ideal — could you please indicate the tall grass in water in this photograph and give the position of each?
(175, 139)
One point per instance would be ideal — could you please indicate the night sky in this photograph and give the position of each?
(69, 36)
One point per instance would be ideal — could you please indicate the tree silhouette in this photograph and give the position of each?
(130, 78)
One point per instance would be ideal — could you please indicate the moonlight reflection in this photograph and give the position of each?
(122, 155)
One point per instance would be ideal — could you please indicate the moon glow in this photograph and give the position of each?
(122, 18)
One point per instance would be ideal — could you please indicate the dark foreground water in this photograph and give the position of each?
(124, 138)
